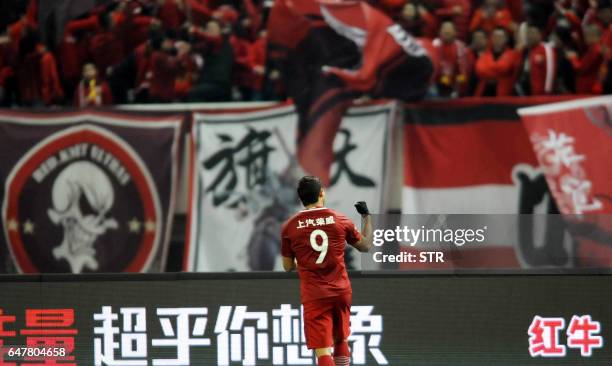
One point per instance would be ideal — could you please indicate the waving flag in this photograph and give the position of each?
(333, 52)
(474, 157)
(573, 144)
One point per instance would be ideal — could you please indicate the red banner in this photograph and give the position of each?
(573, 144)
(473, 156)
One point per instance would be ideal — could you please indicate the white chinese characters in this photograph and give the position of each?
(566, 176)
(318, 221)
(126, 337)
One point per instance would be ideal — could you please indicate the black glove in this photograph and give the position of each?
(362, 208)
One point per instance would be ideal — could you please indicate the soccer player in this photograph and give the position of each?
(315, 238)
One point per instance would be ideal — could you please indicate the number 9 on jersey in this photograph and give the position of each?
(322, 248)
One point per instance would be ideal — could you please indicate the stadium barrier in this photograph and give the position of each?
(255, 319)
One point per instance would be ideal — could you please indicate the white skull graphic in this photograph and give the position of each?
(81, 183)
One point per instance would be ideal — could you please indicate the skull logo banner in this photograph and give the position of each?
(87, 197)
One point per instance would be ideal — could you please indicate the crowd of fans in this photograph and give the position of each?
(530, 47)
(157, 51)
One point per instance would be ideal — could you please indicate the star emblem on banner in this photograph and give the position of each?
(134, 225)
(28, 227)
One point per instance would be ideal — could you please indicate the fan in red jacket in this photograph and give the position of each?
(588, 67)
(165, 68)
(600, 14)
(418, 21)
(258, 60)
(490, 16)
(73, 50)
(51, 87)
(495, 68)
(171, 13)
(453, 62)
(200, 11)
(106, 46)
(538, 67)
(36, 72)
(457, 11)
(92, 91)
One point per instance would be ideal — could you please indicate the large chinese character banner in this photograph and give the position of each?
(86, 191)
(244, 172)
(256, 319)
(573, 144)
(474, 157)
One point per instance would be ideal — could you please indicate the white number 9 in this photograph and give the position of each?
(319, 248)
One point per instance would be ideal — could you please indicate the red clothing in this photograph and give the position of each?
(316, 238)
(164, 71)
(426, 25)
(200, 11)
(258, 56)
(171, 15)
(500, 70)
(326, 320)
(106, 50)
(51, 87)
(500, 18)
(32, 12)
(242, 72)
(516, 9)
(92, 94)
(462, 20)
(186, 77)
(390, 7)
(38, 79)
(453, 69)
(73, 51)
(16, 30)
(541, 64)
(385, 44)
(606, 40)
(136, 31)
(142, 55)
(255, 16)
(588, 69)
(5, 68)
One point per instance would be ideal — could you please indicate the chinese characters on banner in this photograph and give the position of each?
(236, 335)
(573, 144)
(545, 336)
(244, 173)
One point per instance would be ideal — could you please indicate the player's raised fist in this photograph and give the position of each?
(362, 208)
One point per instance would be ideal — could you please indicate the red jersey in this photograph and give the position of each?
(316, 238)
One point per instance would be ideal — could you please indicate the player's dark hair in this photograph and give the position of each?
(308, 189)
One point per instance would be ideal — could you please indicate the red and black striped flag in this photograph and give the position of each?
(332, 52)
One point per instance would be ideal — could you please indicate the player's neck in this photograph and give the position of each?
(314, 206)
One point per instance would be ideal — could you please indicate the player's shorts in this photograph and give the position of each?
(327, 320)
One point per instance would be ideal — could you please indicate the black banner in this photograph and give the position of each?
(86, 191)
(255, 319)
